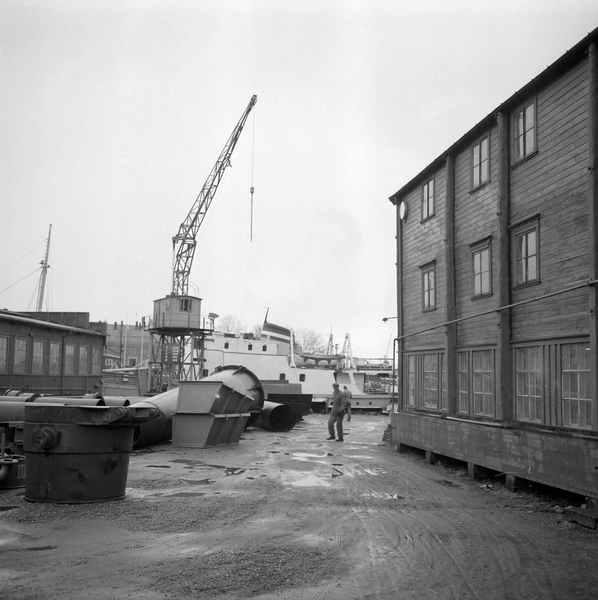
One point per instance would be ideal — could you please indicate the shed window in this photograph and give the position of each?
(54, 358)
(83, 360)
(524, 131)
(480, 163)
(411, 381)
(529, 384)
(431, 381)
(96, 360)
(428, 286)
(20, 361)
(464, 382)
(38, 357)
(481, 271)
(576, 386)
(69, 359)
(526, 244)
(428, 199)
(3, 354)
(483, 383)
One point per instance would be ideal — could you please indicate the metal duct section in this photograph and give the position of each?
(276, 417)
(159, 429)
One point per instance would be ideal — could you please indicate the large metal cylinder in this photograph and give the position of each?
(276, 417)
(78, 454)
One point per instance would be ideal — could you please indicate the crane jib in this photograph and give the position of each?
(190, 226)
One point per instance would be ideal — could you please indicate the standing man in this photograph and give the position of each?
(337, 414)
(348, 395)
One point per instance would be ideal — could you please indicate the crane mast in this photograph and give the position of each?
(186, 236)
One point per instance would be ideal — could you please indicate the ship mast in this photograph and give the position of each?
(42, 280)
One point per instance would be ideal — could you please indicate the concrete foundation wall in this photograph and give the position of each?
(548, 457)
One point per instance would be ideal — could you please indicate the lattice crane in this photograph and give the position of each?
(185, 238)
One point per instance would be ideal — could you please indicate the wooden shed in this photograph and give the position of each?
(51, 353)
(497, 267)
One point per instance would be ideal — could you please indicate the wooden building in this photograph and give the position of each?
(51, 353)
(497, 268)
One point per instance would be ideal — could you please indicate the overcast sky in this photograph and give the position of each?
(113, 113)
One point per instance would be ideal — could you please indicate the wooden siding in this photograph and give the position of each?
(553, 184)
(547, 457)
(423, 243)
(475, 219)
(46, 382)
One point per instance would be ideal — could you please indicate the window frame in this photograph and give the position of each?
(518, 231)
(20, 355)
(69, 359)
(428, 200)
(575, 368)
(528, 368)
(3, 354)
(83, 360)
(54, 358)
(521, 138)
(427, 304)
(476, 248)
(39, 358)
(479, 167)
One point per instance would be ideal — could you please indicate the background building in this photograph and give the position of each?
(51, 353)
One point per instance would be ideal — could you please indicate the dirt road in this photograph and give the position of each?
(292, 516)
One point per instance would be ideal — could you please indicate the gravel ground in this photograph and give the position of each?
(291, 516)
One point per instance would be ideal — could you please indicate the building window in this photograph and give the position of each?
(302, 377)
(132, 361)
(20, 362)
(429, 286)
(444, 395)
(38, 357)
(226, 344)
(483, 383)
(524, 131)
(96, 360)
(411, 381)
(185, 304)
(428, 199)
(250, 347)
(69, 359)
(431, 381)
(529, 383)
(481, 272)
(480, 163)
(3, 354)
(576, 386)
(527, 267)
(83, 360)
(54, 358)
(264, 348)
(463, 382)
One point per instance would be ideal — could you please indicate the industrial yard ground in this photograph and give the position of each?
(292, 516)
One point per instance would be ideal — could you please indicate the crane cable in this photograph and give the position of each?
(252, 189)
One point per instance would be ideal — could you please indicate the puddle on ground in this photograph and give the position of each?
(158, 467)
(308, 455)
(228, 471)
(310, 481)
(184, 494)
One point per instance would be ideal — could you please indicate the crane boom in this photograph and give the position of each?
(190, 226)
